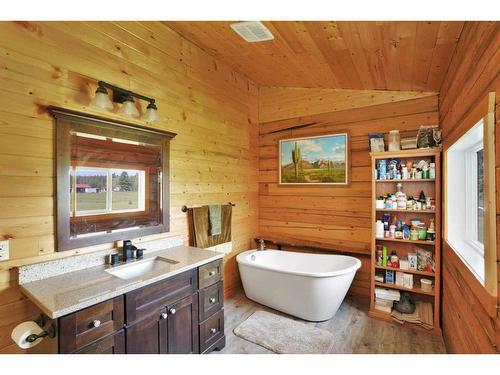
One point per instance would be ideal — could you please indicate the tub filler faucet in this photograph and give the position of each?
(262, 244)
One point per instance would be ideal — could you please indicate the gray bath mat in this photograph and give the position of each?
(283, 335)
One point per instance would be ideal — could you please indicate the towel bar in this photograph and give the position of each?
(184, 208)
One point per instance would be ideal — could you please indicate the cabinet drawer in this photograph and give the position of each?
(141, 302)
(113, 344)
(211, 300)
(210, 273)
(211, 330)
(91, 324)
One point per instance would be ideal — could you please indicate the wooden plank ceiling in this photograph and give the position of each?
(375, 55)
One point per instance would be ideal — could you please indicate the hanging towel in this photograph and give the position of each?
(200, 235)
(215, 218)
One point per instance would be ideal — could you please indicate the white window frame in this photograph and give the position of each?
(471, 204)
(461, 195)
(109, 191)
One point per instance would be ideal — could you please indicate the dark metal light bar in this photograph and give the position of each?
(119, 94)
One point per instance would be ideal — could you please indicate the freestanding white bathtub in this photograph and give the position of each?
(308, 286)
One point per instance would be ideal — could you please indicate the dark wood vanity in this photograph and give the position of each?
(179, 315)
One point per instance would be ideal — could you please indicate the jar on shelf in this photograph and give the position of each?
(409, 203)
(414, 233)
(422, 233)
(394, 140)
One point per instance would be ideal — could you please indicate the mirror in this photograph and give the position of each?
(112, 180)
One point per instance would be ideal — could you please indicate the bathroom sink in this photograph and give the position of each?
(154, 265)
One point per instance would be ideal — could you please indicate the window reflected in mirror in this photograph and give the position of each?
(116, 184)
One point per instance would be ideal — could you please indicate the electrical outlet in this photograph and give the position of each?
(4, 250)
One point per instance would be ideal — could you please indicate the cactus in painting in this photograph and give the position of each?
(297, 159)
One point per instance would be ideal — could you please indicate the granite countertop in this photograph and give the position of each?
(61, 295)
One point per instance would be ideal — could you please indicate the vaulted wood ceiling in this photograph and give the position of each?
(363, 55)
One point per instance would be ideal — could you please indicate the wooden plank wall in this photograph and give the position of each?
(328, 216)
(470, 315)
(212, 108)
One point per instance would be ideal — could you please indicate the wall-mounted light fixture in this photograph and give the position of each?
(126, 98)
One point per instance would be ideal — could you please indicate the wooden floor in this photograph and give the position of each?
(353, 330)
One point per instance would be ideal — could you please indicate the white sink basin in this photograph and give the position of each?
(155, 265)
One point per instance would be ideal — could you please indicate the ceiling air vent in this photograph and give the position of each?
(252, 31)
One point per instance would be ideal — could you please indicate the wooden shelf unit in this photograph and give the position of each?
(432, 188)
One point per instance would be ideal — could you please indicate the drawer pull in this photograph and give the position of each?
(212, 300)
(211, 273)
(96, 323)
(164, 315)
(213, 330)
(172, 311)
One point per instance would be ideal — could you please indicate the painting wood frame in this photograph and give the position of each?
(347, 155)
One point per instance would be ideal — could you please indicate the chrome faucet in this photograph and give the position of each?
(262, 245)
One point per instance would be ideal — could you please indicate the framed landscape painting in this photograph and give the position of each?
(319, 160)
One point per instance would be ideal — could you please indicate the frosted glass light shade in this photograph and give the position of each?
(128, 108)
(151, 113)
(101, 100)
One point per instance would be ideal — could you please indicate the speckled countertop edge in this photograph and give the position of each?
(44, 292)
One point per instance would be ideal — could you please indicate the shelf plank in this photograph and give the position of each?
(418, 152)
(403, 211)
(415, 272)
(394, 286)
(408, 180)
(420, 242)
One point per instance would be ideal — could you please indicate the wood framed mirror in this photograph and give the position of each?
(112, 180)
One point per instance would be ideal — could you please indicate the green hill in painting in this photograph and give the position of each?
(318, 171)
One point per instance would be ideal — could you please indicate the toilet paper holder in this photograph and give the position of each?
(49, 332)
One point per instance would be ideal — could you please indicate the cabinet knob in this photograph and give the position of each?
(211, 273)
(96, 323)
(213, 330)
(172, 311)
(212, 300)
(164, 315)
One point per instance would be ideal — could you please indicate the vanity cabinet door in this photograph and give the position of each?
(149, 335)
(143, 302)
(183, 326)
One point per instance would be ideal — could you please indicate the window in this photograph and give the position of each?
(106, 191)
(480, 196)
(474, 181)
(470, 193)
(465, 199)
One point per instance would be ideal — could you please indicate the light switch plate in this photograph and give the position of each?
(4, 250)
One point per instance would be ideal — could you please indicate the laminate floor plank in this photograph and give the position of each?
(354, 331)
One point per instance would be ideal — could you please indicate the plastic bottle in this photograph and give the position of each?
(394, 140)
(379, 232)
(432, 171)
(384, 256)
